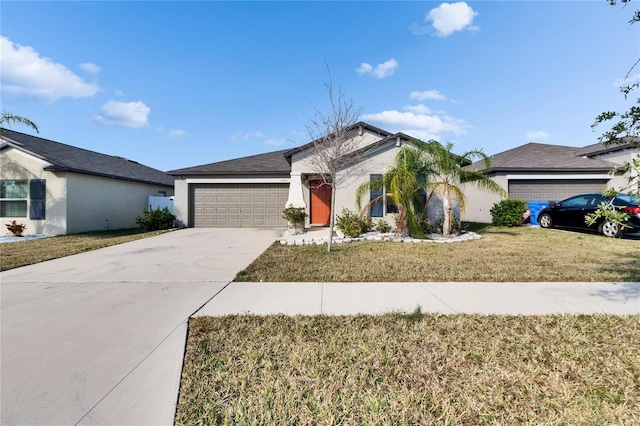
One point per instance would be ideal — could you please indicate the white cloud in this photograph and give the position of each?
(90, 68)
(428, 94)
(177, 134)
(26, 74)
(274, 142)
(627, 80)
(536, 136)
(381, 71)
(123, 114)
(418, 109)
(422, 125)
(447, 19)
(247, 135)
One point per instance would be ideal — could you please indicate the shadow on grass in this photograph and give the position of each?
(487, 228)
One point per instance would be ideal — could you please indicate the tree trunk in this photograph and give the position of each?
(332, 220)
(446, 203)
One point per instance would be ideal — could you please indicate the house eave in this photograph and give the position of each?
(229, 173)
(547, 170)
(90, 173)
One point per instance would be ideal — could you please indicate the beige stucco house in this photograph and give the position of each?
(58, 189)
(538, 172)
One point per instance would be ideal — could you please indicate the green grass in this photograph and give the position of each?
(413, 369)
(528, 254)
(23, 253)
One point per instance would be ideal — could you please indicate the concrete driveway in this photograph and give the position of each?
(98, 338)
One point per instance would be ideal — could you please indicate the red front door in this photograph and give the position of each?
(320, 203)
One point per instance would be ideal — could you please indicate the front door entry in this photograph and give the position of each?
(320, 203)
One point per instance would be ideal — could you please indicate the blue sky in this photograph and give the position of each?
(179, 84)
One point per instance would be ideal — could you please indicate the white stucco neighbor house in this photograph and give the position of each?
(58, 189)
(541, 172)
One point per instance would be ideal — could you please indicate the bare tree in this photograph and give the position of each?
(336, 150)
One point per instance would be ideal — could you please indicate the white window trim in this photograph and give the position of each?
(26, 199)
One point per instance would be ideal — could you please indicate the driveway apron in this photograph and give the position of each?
(98, 338)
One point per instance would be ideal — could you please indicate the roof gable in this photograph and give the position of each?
(361, 124)
(67, 158)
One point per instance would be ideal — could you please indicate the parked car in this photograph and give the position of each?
(571, 213)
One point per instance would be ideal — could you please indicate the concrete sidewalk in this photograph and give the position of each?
(446, 298)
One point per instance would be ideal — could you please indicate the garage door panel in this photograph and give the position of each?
(553, 189)
(238, 205)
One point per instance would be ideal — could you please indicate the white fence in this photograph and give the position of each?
(160, 203)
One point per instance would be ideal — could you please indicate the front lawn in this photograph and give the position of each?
(527, 254)
(411, 369)
(23, 253)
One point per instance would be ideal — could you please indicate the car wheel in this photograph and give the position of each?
(545, 220)
(610, 229)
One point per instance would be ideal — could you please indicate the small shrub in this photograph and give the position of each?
(16, 228)
(366, 224)
(383, 227)
(156, 220)
(508, 212)
(436, 228)
(349, 223)
(294, 214)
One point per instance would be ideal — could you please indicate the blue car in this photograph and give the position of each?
(571, 213)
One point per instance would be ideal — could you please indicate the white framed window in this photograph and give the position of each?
(19, 197)
(13, 198)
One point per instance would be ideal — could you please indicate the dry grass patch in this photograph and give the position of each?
(22, 253)
(411, 369)
(525, 254)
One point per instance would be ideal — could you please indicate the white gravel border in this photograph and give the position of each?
(375, 236)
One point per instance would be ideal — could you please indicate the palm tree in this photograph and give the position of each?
(8, 118)
(404, 185)
(446, 173)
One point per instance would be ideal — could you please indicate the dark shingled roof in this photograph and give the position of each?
(534, 157)
(598, 148)
(269, 163)
(67, 158)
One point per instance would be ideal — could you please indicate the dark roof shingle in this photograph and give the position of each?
(542, 157)
(68, 158)
(270, 163)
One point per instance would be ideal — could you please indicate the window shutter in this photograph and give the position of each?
(37, 198)
(375, 210)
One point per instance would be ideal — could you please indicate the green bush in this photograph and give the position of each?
(508, 212)
(155, 220)
(349, 223)
(383, 227)
(366, 224)
(294, 214)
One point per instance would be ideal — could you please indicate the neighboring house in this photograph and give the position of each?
(57, 189)
(541, 172)
(253, 191)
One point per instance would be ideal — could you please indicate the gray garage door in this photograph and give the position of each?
(238, 205)
(547, 190)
